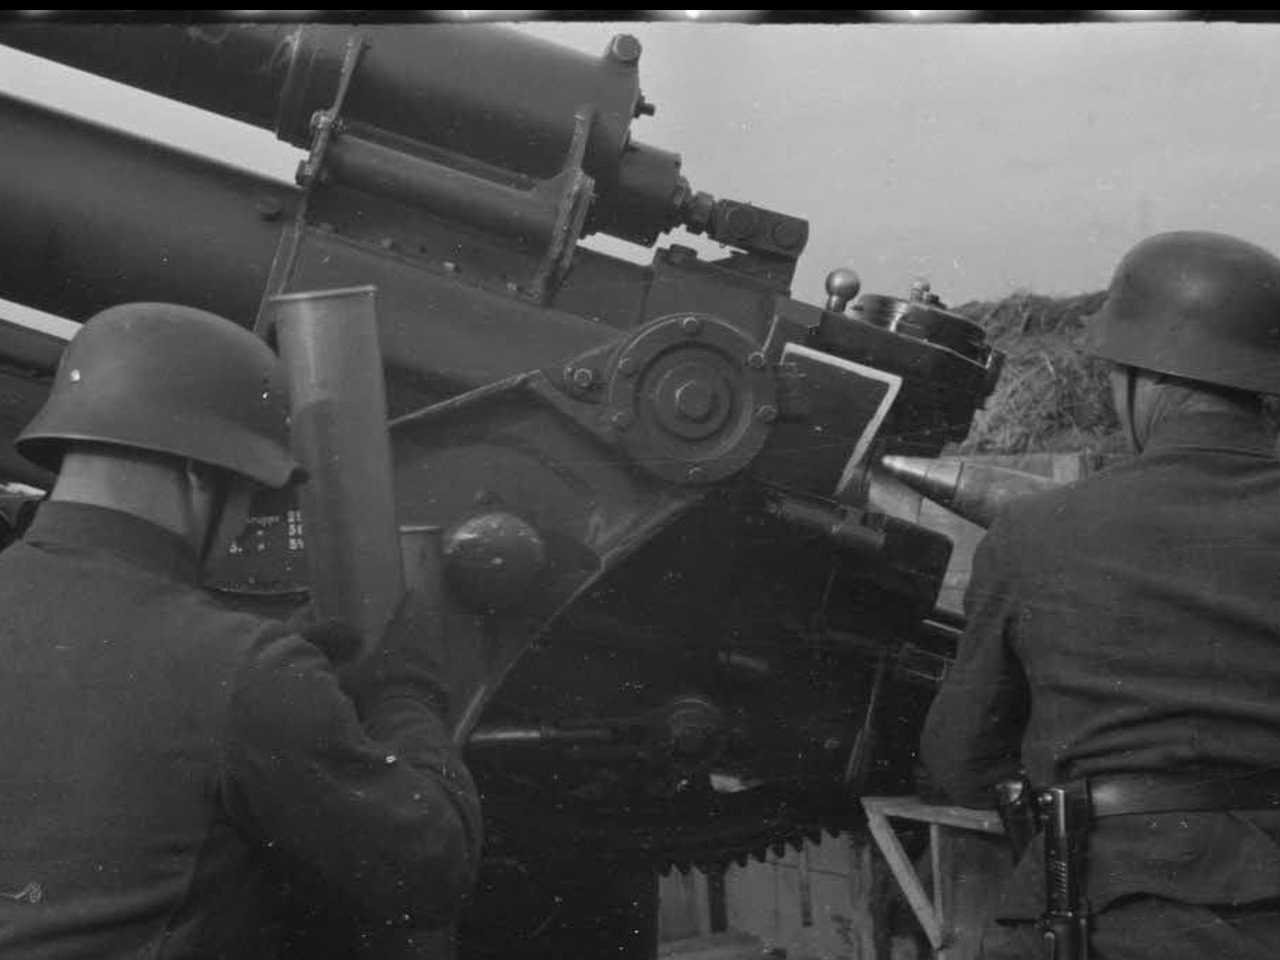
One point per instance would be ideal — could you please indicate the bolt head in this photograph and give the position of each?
(691, 326)
(625, 48)
(627, 366)
(787, 233)
(741, 222)
(268, 207)
(766, 413)
(696, 475)
(583, 377)
(756, 361)
(695, 400)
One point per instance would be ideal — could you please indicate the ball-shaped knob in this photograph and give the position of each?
(493, 560)
(842, 286)
(922, 292)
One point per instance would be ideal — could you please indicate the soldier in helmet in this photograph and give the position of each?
(168, 765)
(1123, 643)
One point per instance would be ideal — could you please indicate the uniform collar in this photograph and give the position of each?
(1224, 432)
(62, 523)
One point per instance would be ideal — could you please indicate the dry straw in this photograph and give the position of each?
(1052, 396)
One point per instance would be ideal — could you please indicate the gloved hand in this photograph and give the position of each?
(401, 663)
(337, 640)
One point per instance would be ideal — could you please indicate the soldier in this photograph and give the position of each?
(1123, 640)
(166, 761)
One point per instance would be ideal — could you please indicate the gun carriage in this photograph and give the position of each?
(642, 489)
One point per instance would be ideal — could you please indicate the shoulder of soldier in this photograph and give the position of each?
(1076, 503)
(206, 608)
(229, 635)
(255, 660)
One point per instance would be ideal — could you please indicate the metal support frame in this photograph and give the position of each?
(575, 189)
(310, 174)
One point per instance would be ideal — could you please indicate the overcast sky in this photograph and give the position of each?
(988, 158)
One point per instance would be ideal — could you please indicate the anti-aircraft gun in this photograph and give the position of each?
(640, 489)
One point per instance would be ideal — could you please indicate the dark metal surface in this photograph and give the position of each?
(491, 93)
(94, 218)
(691, 398)
(527, 215)
(492, 560)
(1194, 304)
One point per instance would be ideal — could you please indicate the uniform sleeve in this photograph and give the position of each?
(972, 734)
(382, 813)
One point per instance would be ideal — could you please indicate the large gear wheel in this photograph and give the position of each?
(709, 831)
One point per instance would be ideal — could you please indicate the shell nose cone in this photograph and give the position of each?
(975, 491)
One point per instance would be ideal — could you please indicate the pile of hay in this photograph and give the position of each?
(1051, 397)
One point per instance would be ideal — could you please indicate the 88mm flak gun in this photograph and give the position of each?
(643, 488)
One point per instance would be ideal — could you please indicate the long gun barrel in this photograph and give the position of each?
(496, 95)
(490, 103)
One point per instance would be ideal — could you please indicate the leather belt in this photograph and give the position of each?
(1116, 795)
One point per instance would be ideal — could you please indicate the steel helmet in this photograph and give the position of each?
(173, 380)
(1198, 305)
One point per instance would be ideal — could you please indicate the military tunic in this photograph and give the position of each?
(1130, 623)
(166, 762)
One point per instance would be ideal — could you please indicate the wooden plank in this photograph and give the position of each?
(939, 907)
(871, 895)
(968, 860)
(913, 808)
(904, 872)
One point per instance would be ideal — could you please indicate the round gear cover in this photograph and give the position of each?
(692, 399)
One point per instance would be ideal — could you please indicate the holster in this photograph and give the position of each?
(1064, 815)
(1015, 802)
